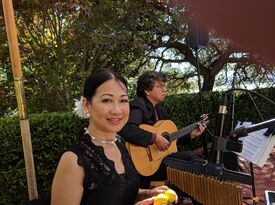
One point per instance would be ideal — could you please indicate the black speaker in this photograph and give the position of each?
(197, 36)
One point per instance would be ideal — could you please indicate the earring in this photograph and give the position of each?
(86, 112)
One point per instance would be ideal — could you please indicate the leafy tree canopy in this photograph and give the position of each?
(61, 42)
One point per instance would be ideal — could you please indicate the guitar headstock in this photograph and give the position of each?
(204, 119)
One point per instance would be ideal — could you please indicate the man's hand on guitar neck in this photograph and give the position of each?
(162, 143)
(200, 129)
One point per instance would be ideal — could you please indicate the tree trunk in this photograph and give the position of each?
(208, 81)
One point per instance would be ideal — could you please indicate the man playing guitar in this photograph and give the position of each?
(145, 110)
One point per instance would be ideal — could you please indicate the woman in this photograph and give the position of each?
(97, 168)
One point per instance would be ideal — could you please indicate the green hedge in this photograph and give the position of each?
(185, 109)
(52, 133)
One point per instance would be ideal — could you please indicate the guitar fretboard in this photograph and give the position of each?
(183, 131)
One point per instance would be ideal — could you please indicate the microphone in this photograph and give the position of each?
(221, 117)
(219, 142)
(243, 131)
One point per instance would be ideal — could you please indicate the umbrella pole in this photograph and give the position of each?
(20, 97)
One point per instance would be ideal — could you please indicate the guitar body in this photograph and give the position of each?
(147, 160)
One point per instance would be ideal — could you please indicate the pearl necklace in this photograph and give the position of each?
(111, 142)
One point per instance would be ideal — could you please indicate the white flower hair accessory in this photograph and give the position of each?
(79, 109)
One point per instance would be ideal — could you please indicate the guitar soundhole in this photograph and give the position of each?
(166, 135)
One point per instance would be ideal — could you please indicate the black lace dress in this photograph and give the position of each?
(102, 184)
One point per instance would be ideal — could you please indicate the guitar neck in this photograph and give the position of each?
(183, 131)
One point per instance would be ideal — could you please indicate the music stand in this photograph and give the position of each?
(221, 143)
(233, 103)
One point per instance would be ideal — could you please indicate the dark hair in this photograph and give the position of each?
(97, 78)
(146, 81)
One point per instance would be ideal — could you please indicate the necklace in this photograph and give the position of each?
(100, 141)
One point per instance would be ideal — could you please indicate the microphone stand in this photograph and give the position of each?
(233, 101)
(219, 142)
(196, 49)
(204, 141)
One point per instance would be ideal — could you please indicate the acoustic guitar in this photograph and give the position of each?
(147, 160)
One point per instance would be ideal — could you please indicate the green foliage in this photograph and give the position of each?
(185, 109)
(62, 42)
(52, 133)
(246, 110)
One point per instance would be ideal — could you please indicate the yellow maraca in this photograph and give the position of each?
(163, 199)
(171, 195)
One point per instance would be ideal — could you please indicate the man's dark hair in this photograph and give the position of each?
(147, 80)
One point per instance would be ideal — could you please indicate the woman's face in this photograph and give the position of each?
(109, 108)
